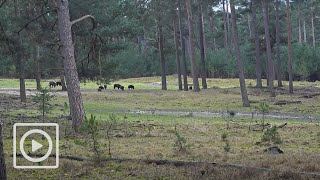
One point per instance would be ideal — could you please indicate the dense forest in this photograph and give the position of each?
(132, 38)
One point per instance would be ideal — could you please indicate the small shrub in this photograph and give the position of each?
(90, 126)
(263, 108)
(271, 136)
(224, 138)
(111, 124)
(43, 98)
(181, 142)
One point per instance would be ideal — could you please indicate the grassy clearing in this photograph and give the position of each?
(152, 137)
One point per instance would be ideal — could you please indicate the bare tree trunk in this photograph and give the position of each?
(279, 76)
(229, 26)
(312, 26)
(289, 48)
(162, 60)
(268, 45)
(299, 23)
(63, 82)
(3, 173)
(202, 48)
(19, 57)
(176, 43)
(244, 94)
(249, 26)
(304, 31)
(183, 50)
(70, 69)
(37, 67)
(194, 68)
(211, 20)
(225, 24)
(257, 43)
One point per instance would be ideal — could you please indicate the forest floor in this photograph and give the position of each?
(152, 136)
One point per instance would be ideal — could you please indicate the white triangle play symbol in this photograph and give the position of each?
(36, 145)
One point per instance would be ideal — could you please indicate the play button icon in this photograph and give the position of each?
(36, 145)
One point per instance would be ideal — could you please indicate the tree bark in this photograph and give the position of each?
(3, 173)
(37, 65)
(63, 82)
(162, 60)
(268, 45)
(304, 31)
(225, 30)
(194, 68)
(202, 48)
(70, 69)
(19, 57)
(279, 76)
(257, 43)
(183, 50)
(176, 44)
(299, 24)
(244, 94)
(312, 26)
(289, 48)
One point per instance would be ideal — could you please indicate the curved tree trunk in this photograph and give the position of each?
(3, 174)
(289, 48)
(279, 76)
(244, 94)
(183, 50)
(194, 68)
(176, 45)
(268, 45)
(70, 69)
(255, 32)
(162, 60)
(202, 48)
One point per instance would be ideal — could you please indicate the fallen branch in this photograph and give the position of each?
(169, 162)
(282, 125)
(286, 102)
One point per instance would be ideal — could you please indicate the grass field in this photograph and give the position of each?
(141, 136)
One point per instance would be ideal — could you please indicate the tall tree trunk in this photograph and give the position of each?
(194, 68)
(304, 31)
(225, 24)
(63, 82)
(70, 69)
(279, 76)
(20, 57)
(212, 28)
(202, 48)
(268, 45)
(37, 67)
(162, 60)
(183, 50)
(176, 44)
(289, 48)
(3, 172)
(299, 24)
(257, 43)
(312, 26)
(230, 45)
(249, 26)
(244, 94)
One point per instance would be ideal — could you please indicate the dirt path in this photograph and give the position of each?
(29, 91)
(208, 114)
